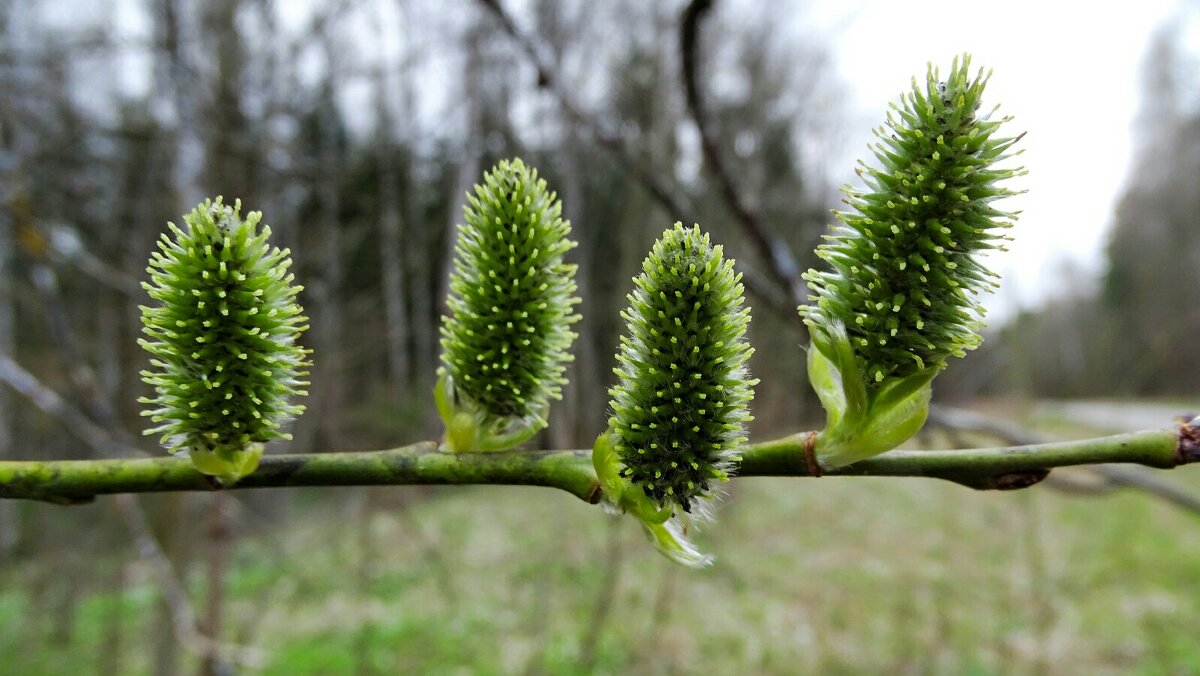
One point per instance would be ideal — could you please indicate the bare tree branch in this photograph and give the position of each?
(49, 402)
(606, 136)
(602, 131)
(82, 375)
(778, 256)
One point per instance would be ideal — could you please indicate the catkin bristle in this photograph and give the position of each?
(507, 338)
(679, 407)
(223, 333)
(904, 270)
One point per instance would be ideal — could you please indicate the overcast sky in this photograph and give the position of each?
(1068, 72)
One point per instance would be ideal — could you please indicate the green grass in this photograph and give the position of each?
(835, 576)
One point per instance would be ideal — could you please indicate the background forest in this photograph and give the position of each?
(357, 126)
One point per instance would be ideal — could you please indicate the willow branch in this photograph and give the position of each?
(1100, 479)
(75, 481)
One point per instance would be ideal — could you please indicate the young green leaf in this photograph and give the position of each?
(223, 336)
(899, 297)
(506, 341)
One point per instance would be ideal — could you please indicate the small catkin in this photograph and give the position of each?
(223, 334)
(904, 270)
(679, 407)
(507, 338)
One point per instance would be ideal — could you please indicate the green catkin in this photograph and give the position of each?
(679, 407)
(507, 338)
(904, 271)
(222, 335)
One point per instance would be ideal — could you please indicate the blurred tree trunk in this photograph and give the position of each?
(9, 531)
(390, 231)
(1155, 240)
(328, 329)
(109, 660)
(230, 171)
(220, 545)
(366, 572)
(170, 515)
(233, 149)
(426, 284)
(469, 160)
(469, 172)
(9, 521)
(570, 422)
(177, 74)
(566, 428)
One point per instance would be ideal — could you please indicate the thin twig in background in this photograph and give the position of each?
(359, 513)
(773, 250)
(65, 244)
(112, 649)
(52, 404)
(659, 621)
(604, 134)
(83, 376)
(1109, 478)
(1038, 593)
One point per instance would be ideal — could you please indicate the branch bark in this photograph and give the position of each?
(75, 481)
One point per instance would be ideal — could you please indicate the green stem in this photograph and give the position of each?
(75, 481)
(987, 468)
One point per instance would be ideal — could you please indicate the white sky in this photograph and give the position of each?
(1069, 73)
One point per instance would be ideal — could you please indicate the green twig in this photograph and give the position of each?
(76, 481)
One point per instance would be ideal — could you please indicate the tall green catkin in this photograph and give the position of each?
(507, 338)
(679, 407)
(904, 272)
(222, 335)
